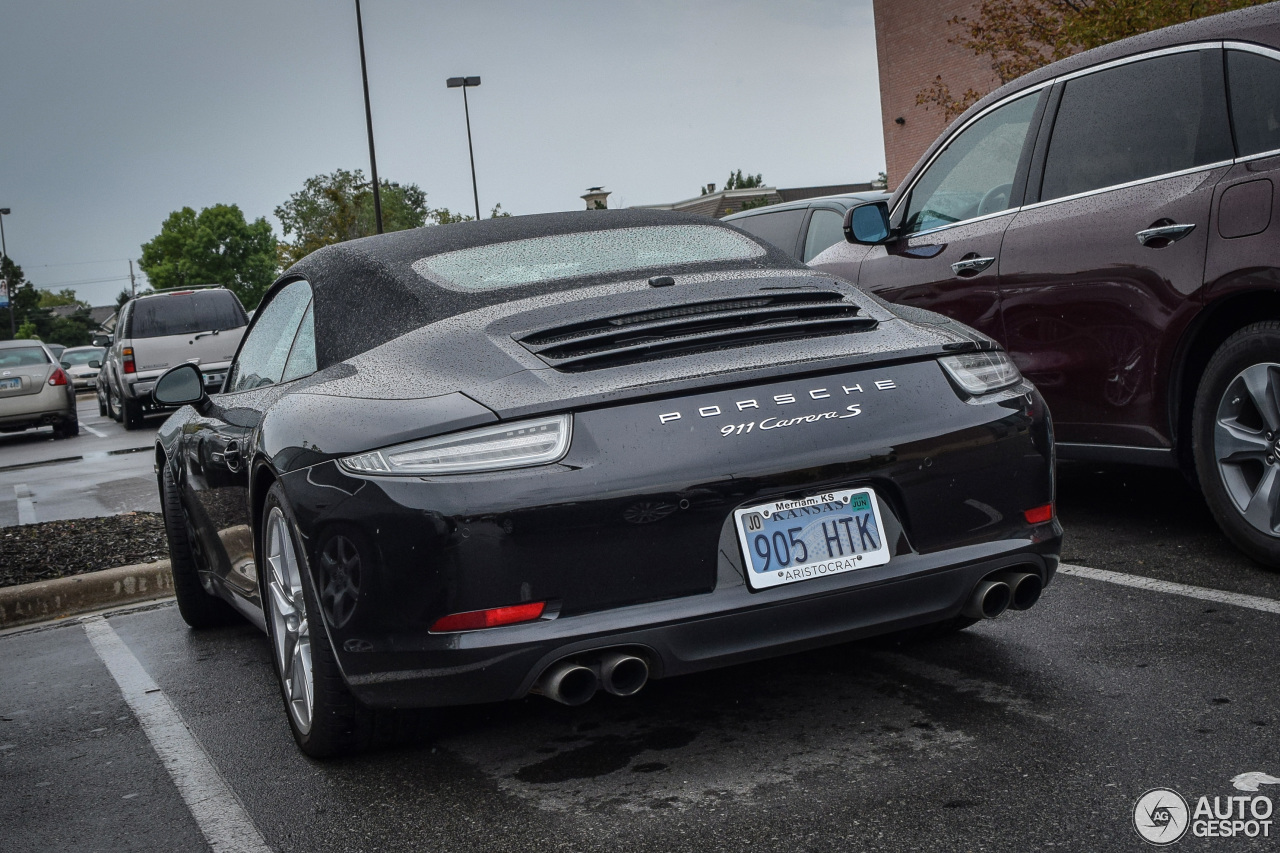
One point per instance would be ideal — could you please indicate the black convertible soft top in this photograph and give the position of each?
(367, 291)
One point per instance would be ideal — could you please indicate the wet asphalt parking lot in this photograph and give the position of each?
(1034, 731)
(105, 470)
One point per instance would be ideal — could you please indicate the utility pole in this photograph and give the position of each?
(133, 287)
(368, 120)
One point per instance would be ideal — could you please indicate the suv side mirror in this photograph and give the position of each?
(868, 223)
(95, 364)
(182, 385)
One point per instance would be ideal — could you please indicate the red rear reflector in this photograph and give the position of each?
(129, 366)
(1039, 515)
(58, 378)
(491, 618)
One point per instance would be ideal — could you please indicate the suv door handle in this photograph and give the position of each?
(1160, 236)
(971, 265)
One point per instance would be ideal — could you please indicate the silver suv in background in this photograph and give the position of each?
(155, 331)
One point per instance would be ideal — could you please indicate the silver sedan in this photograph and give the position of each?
(35, 390)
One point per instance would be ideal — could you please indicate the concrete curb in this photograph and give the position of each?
(61, 597)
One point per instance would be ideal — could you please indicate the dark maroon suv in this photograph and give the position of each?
(1112, 219)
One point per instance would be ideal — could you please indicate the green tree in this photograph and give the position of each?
(214, 246)
(737, 181)
(1018, 36)
(27, 332)
(339, 206)
(25, 298)
(66, 296)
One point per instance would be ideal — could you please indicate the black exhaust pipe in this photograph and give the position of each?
(1024, 587)
(988, 600)
(622, 674)
(568, 683)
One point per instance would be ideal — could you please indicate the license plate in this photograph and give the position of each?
(10, 384)
(787, 541)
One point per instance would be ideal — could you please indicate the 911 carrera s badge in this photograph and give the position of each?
(774, 422)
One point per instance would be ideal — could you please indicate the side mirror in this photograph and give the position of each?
(180, 386)
(867, 223)
(65, 365)
(95, 364)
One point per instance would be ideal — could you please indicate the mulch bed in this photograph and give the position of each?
(55, 549)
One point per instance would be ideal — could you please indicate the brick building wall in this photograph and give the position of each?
(912, 48)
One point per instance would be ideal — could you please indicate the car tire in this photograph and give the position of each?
(131, 414)
(69, 428)
(199, 608)
(1236, 440)
(325, 718)
(113, 406)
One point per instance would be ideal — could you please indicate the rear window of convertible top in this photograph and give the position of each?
(585, 253)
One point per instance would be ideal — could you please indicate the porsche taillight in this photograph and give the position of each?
(59, 377)
(129, 366)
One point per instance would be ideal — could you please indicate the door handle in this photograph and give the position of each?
(971, 265)
(1160, 236)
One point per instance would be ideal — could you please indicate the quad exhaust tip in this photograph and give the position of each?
(989, 599)
(568, 683)
(1008, 590)
(1024, 588)
(573, 682)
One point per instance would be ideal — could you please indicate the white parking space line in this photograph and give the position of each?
(26, 504)
(1253, 602)
(84, 426)
(217, 810)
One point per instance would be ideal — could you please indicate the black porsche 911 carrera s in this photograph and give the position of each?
(571, 452)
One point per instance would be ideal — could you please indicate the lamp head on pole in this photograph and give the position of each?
(4, 211)
(459, 82)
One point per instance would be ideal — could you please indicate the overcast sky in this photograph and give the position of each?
(114, 113)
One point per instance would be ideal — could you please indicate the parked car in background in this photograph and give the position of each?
(803, 229)
(160, 329)
(568, 452)
(83, 364)
(34, 390)
(1113, 220)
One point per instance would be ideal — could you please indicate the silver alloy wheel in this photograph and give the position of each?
(1246, 444)
(291, 633)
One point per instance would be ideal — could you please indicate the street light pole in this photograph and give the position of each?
(4, 253)
(464, 83)
(368, 120)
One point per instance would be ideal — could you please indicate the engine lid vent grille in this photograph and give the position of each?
(695, 327)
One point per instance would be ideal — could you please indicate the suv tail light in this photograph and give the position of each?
(59, 377)
(129, 366)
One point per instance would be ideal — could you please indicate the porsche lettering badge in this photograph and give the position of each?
(773, 422)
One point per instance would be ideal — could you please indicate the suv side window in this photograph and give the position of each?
(826, 228)
(1136, 121)
(782, 229)
(266, 348)
(1254, 84)
(973, 175)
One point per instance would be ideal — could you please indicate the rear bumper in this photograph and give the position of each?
(631, 538)
(53, 404)
(142, 390)
(728, 626)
